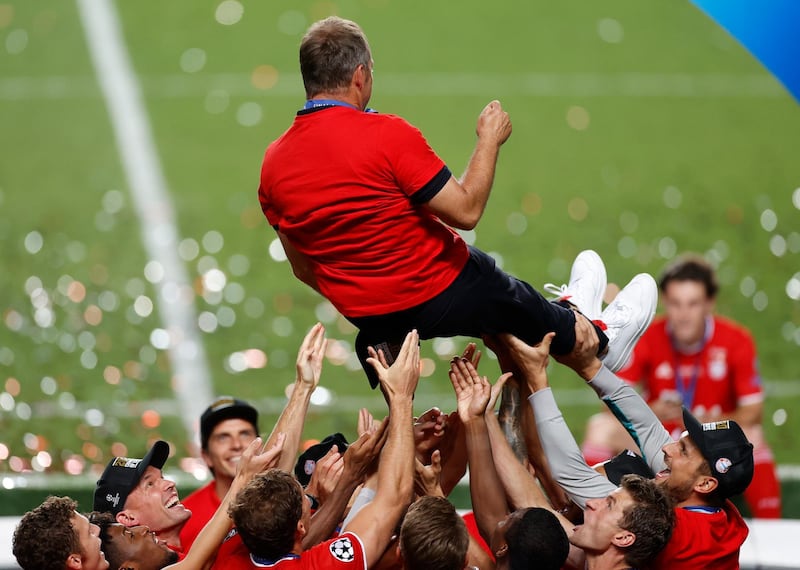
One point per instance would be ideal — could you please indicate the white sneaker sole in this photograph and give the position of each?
(619, 357)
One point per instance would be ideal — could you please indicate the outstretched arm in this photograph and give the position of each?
(624, 402)
(375, 523)
(473, 393)
(255, 459)
(357, 459)
(291, 420)
(569, 469)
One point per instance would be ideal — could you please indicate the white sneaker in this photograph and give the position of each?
(587, 284)
(627, 317)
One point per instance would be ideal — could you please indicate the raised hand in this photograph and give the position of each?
(583, 358)
(472, 354)
(366, 423)
(427, 478)
(401, 378)
(494, 124)
(256, 459)
(473, 391)
(530, 360)
(326, 475)
(363, 453)
(310, 355)
(428, 431)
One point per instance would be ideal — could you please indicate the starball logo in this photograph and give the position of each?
(113, 499)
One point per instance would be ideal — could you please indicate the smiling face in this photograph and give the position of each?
(91, 556)
(226, 444)
(154, 503)
(684, 470)
(137, 545)
(601, 523)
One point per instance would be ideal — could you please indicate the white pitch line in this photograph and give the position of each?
(131, 125)
(444, 84)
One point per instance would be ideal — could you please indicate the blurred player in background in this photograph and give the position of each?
(692, 357)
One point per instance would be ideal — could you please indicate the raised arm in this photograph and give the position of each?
(473, 393)
(624, 402)
(461, 202)
(255, 459)
(375, 523)
(357, 459)
(567, 465)
(291, 420)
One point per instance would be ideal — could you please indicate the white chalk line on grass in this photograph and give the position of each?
(427, 84)
(131, 126)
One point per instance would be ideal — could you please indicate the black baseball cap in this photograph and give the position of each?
(725, 447)
(225, 408)
(625, 463)
(307, 461)
(121, 476)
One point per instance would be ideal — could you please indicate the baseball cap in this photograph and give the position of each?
(121, 476)
(625, 463)
(307, 461)
(725, 447)
(225, 408)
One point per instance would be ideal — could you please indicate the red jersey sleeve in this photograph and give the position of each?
(412, 161)
(344, 551)
(746, 379)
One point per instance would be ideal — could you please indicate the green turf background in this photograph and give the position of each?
(676, 103)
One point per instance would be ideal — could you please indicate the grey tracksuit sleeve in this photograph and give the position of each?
(569, 469)
(634, 414)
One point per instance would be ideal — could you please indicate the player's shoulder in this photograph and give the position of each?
(730, 328)
(343, 549)
(201, 495)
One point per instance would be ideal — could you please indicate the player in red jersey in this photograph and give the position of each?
(227, 427)
(691, 357)
(272, 514)
(360, 201)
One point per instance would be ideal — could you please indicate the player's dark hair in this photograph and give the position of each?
(266, 513)
(330, 52)
(45, 537)
(537, 536)
(691, 267)
(651, 519)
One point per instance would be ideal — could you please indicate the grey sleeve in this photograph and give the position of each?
(569, 469)
(635, 416)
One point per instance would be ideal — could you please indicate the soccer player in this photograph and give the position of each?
(227, 427)
(710, 462)
(54, 535)
(624, 527)
(359, 201)
(695, 359)
(273, 515)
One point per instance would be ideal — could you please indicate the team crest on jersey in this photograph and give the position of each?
(718, 364)
(342, 550)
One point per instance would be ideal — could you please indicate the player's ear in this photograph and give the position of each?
(705, 484)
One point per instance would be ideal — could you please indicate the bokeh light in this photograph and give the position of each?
(229, 12)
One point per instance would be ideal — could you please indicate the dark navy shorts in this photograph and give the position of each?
(481, 300)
